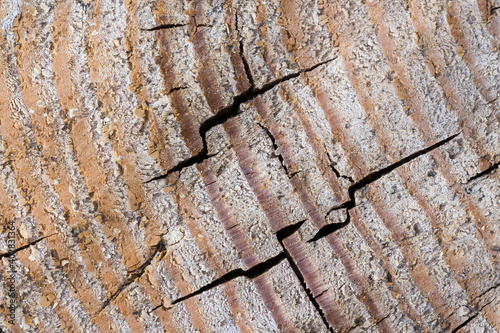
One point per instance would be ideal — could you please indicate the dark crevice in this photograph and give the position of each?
(176, 89)
(248, 72)
(229, 112)
(203, 25)
(270, 85)
(485, 292)
(494, 8)
(177, 25)
(321, 293)
(260, 269)
(164, 27)
(133, 276)
(166, 308)
(374, 176)
(370, 178)
(196, 159)
(156, 307)
(337, 173)
(196, 25)
(351, 328)
(485, 172)
(332, 164)
(492, 101)
(381, 320)
(138, 272)
(11, 253)
(283, 234)
(303, 284)
(251, 273)
(113, 297)
(330, 229)
(289, 230)
(465, 323)
(275, 148)
(232, 110)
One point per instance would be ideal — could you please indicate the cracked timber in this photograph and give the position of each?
(250, 166)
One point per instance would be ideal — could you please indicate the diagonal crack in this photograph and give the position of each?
(133, 276)
(283, 234)
(11, 253)
(196, 159)
(232, 111)
(165, 26)
(383, 318)
(330, 229)
(324, 291)
(485, 172)
(289, 230)
(260, 269)
(250, 273)
(275, 153)
(487, 291)
(338, 174)
(465, 323)
(335, 171)
(370, 178)
(161, 305)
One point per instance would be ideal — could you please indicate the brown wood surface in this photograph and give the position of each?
(250, 165)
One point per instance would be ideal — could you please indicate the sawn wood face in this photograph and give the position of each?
(253, 166)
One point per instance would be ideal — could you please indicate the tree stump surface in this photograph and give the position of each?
(250, 166)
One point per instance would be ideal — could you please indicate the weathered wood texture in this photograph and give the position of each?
(253, 166)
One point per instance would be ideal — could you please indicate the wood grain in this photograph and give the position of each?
(250, 166)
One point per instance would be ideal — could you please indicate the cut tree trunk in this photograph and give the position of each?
(249, 165)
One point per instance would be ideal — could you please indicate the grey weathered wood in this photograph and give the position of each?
(255, 166)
